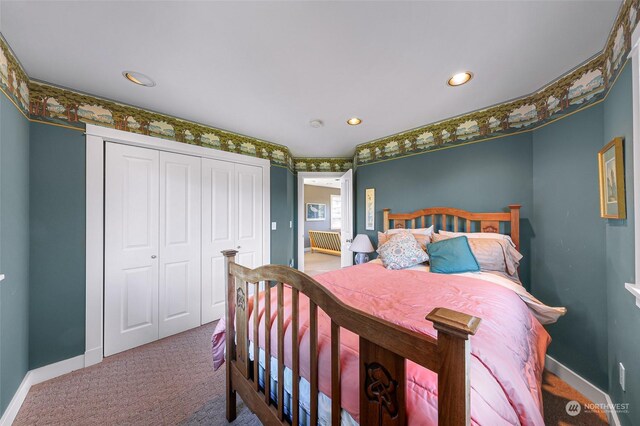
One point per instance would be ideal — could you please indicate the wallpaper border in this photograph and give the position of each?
(14, 81)
(50, 104)
(578, 89)
(61, 106)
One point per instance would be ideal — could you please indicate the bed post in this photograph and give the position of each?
(385, 219)
(454, 351)
(515, 224)
(230, 312)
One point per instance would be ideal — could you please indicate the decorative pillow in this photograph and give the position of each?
(452, 256)
(470, 235)
(493, 255)
(422, 235)
(401, 251)
(423, 231)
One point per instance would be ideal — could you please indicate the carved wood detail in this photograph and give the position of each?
(240, 299)
(382, 383)
(490, 226)
(381, 388)
(242, 330)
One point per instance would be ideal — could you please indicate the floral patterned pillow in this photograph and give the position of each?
(402, 251)
(422, 235)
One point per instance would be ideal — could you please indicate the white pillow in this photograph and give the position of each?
(422, 231)
(490, 235)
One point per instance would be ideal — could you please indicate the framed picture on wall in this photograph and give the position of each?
(316, 211)
(611, 170)
(370, 209)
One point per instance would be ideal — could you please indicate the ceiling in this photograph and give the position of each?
(326, 182)
(265, 69)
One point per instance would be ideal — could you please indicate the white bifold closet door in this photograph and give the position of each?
(232, 206)
(152, 245)
(180, 231)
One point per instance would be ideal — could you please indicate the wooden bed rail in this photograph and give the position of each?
(384, 347)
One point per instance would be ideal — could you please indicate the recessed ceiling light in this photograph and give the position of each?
(316, 123)
(138, 78)
(460, 78)
(354, 121)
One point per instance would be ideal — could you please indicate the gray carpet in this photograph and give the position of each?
(167, 382)
(172, 381)
(213, 414)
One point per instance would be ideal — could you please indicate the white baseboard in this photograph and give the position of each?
(93, 356)
(11, 412)
(33, 377)
(307, 249)
(583, 386)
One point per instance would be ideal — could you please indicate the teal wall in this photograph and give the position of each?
(486, 176)
(576, 259)
(57, 192)
(623, 316)
(283, 194)
(568, 245)
(14, 249)
(573, 258)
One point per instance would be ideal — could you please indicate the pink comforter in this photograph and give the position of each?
(507, 351)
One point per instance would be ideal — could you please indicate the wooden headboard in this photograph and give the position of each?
(449, 219)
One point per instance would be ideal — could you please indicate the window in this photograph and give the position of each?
(635, 62)
(336, 212)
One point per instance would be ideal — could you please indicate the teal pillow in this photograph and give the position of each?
(452, 256)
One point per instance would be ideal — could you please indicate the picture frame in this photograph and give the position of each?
(315, 212)
(370, 209)
(611, 180)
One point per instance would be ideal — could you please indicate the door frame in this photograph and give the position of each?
(301, 210)
(96, 136)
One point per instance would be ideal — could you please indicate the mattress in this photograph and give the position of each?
(324, 402)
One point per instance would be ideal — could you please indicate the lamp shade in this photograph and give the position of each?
(361, 244)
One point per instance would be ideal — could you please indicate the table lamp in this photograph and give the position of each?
(361, 245)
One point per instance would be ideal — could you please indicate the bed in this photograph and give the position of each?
(367, 345)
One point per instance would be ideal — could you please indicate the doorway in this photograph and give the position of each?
(325, 221)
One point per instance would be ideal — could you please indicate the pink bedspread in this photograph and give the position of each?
(507, 351)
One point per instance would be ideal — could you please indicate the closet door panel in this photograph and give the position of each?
(218, 230)
(131, 247)
(180, 236)
(250, 221)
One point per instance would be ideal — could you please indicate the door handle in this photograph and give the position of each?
(153, 256)
(348, 241)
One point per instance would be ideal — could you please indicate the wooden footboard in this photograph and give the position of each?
(325, 242)
(384, 347)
